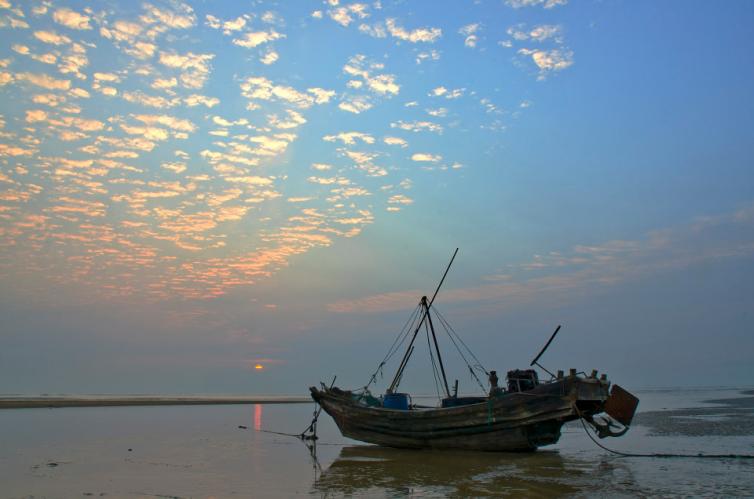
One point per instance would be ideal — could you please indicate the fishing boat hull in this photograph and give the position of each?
(510, 421)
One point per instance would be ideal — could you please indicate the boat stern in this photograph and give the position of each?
(603, 407)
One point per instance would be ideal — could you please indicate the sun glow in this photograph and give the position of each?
(258, 367)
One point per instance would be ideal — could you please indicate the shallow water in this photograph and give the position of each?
(200, 451)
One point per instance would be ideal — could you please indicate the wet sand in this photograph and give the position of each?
(223, 451)
(723, 417)
(140, 400)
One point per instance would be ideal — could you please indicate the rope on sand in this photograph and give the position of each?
(659, 455)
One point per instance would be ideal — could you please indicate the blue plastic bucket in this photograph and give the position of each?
(395, 401)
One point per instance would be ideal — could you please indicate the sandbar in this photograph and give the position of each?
(23, 402)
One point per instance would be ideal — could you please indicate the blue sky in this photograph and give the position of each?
(190, 189)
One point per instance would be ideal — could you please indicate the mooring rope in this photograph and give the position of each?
(281, 433)
(655, 454)
(298, 437)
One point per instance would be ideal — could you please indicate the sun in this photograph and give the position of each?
(258, 367)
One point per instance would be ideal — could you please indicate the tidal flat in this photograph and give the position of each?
(221, 451)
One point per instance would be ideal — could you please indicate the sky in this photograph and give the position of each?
(252, 197)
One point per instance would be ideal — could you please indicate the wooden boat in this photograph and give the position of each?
(505, 421)
(523, 416)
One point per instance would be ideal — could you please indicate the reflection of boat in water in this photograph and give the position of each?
(373, 470)
(527, 414)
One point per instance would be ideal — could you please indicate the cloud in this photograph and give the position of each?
(350, 138)
(539, 33)
(71, 19)
(426, 35)
(424, 157)
(109, 77)
(270, 17)
(156, 101)
(149, 133)
(269, 57)
(391, 27)
(254, 39)
(547, 4)
(234, 25)
(293, 120)
(591, 267)
(321, 96)
(375, 31)
(182, 18)
(355, 105)
(20, 49)
(198, 100)
(345, 14)
(358, 66)
(448, 94)
(250, 180)
(168, 121)
(469, 31)
(33, 116)
(79, 206)
(175, 167)
(395, 141)
(136, 216)
(52, 100)
(364, 162)
(430, 55)
(545, 32)
(195, 67)
(219, 120)
(51, 37)
(74, 61)
(272, 145)
(79, 93)
(260, 88)
(400, 199)
(138, 39)
(44, 81)
(164, 83)
(328, 180)
(228, 27)
(384, 84)
(549, 60)
(122, 31)
(11, 150)
(417, 126)
(142, 50)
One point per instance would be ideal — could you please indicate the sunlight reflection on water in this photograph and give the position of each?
(258, 416)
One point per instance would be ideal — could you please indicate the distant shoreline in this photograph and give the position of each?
(122, 401)
(55, 402)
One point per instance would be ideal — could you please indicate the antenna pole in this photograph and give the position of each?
(545, 348)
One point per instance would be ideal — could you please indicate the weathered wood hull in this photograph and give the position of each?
(519, 421)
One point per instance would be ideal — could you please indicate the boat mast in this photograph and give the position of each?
(437, 348)
(410, 349)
